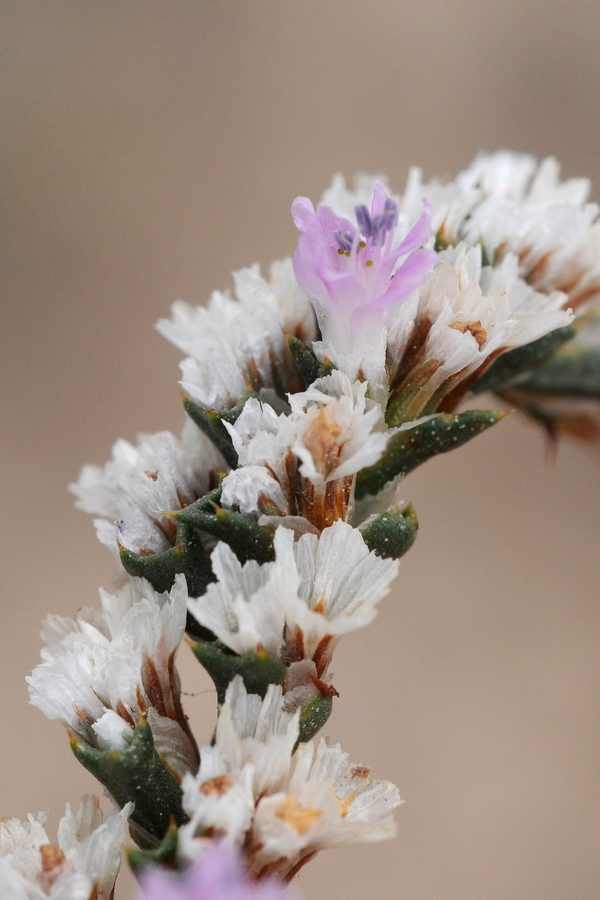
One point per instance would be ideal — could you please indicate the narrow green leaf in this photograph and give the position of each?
(210, 421)
(258, 670)
(411, 447)
(313, 716)
(392, 533)
(514, 362)
(572, 372)
(164, 855)
(137, 773)
(305, 359)
(245, 536)
(159, 569)
(188, 557)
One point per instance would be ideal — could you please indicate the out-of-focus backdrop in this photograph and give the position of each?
(147, 150)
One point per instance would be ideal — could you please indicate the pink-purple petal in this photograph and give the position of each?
(411, 275)
(219, 874)
(419, 234)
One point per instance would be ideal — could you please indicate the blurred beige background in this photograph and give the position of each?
(147, 150)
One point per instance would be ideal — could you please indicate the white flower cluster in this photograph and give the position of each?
(298, 388)
(282, 806)
(83, 864)
(298, 606)
(102, 671)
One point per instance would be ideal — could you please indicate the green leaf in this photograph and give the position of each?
(188, 557)
(313, 716)
(305, 359)
(392, 533)
(164, 855)
(514, 362)
(572, 372)
(245, 536)
(258, 670)
(159, 569)
(411, 447)
(137, 773)
(210, 421)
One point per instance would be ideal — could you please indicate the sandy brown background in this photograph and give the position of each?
(148, 149)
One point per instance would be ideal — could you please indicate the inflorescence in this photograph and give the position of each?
(273, 525)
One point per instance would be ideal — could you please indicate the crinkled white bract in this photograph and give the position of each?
(463, 316)
(83, 863)
(100, 671)
(131, 492)
(297, 607)
(512, 203)
(238, 345)
(282, 807)
(287, 461)
(329, 802)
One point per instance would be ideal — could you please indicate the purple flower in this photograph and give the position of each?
(218, 875)
(347, 270)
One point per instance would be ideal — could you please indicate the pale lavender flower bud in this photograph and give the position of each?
(219, 874)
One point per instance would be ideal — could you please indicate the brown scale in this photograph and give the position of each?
(291, 381)
(412, 356)
(589, 293)
(254, 375)
(322, 655)
(85, 716)
(323, 508)
(538, 269)
(294, 481)
(153, 687)
(125, 714)
(324, 688)
(412, 385)
(170, 707)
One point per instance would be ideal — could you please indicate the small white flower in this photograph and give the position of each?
(464, 315)
(304, 463)
(133, 490)
(284, 807)
(513, 203)
(235, 346)
(82, 864)
(101, 671)
(299, 606)
(329, 802)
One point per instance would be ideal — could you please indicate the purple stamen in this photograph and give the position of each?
(386, 221)
(365, 225)
(377, 227)
(343, 240)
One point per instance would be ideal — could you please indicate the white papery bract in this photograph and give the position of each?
(297, 607)
(283, 807)
(83, 864)
(101, 671)
(131, 492)
(510, 202)
(461, 319)
(237, 346)
(303, 464)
